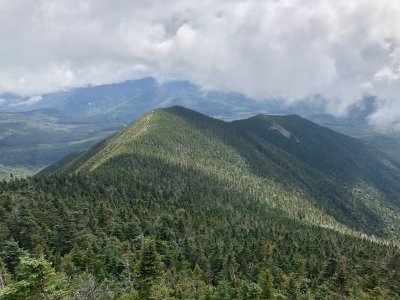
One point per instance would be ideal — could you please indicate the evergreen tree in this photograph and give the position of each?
(149, 269)
(11, 254)
(35, 279)
(249, 291)
(266, 282)
(341, 283)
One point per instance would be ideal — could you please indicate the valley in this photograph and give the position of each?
(35, 135)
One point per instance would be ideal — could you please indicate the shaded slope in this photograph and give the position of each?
(310, 173)
(222, 204)
(351, 181)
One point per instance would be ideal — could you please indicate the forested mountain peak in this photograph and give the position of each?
(340, 180)
(216, 209)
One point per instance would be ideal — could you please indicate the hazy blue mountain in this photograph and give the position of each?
(36, 133)
(127, 100)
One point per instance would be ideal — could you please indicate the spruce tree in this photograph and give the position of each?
(35, 279)
(149, 269)
(266, 282)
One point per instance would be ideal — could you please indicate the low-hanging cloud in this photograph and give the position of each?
(340, 51)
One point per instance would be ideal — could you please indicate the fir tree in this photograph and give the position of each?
(266, 282)
(149, 269)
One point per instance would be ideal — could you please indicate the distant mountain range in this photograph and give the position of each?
(128, 100)
(37, 131)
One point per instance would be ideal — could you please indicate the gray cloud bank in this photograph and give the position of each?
(340, 51)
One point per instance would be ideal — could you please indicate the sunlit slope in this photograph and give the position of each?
(288, 164)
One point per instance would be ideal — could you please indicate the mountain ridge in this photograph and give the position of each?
(92, 109)
(309, 162)
(214, 207)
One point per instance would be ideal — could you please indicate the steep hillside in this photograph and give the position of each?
(35, 134)
(387, 143)
(385, 139)
(320, 175)
(44, 128)
(179, 205)
(351, 181)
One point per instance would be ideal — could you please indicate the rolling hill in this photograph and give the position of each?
(179, 205)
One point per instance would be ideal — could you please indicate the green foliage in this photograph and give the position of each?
(35, 279)
(266, 282)
(309, 172)
(149, 269)
(11, 254)
(249, 291)
(180, 206)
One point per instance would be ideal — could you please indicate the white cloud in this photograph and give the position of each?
(28, 102)
(291, 49)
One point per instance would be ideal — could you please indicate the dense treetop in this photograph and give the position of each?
(182, 206)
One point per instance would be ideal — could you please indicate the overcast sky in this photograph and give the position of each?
(340, 50)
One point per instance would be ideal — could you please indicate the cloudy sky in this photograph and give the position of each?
(339, 51)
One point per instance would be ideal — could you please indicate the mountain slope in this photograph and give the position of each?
(350, 180)
(40, 132)
(75, 119)
(320, 175)
(182, 206)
